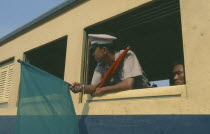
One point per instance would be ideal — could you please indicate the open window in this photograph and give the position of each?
(49, 57)
(153, 31)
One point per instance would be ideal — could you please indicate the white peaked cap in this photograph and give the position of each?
(101, 38)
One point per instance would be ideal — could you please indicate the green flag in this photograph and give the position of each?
(45, 104)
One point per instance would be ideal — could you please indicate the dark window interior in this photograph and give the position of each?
(153, 31)
(49, 57)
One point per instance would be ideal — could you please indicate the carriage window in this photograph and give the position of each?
(49, 57)
(154, 33)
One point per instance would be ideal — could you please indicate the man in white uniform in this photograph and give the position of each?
(129, 74)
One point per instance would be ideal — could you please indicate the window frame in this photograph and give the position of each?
(157, 92)
(146, 93)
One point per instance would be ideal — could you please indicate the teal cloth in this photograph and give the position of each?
(45, 105)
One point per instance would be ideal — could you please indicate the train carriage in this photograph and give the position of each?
(158, 31)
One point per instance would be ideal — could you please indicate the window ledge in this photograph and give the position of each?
(142, 93)
(4, 101)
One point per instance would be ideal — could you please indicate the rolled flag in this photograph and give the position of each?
(111, 71)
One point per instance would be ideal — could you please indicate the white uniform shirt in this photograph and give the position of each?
(129, 68)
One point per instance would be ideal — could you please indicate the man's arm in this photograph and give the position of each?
(92, 89)
(123, 85)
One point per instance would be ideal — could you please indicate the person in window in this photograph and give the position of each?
(129, 74)
(178, 74)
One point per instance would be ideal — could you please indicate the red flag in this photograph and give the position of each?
(112, 69)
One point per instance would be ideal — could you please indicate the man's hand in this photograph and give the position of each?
(76, 87)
